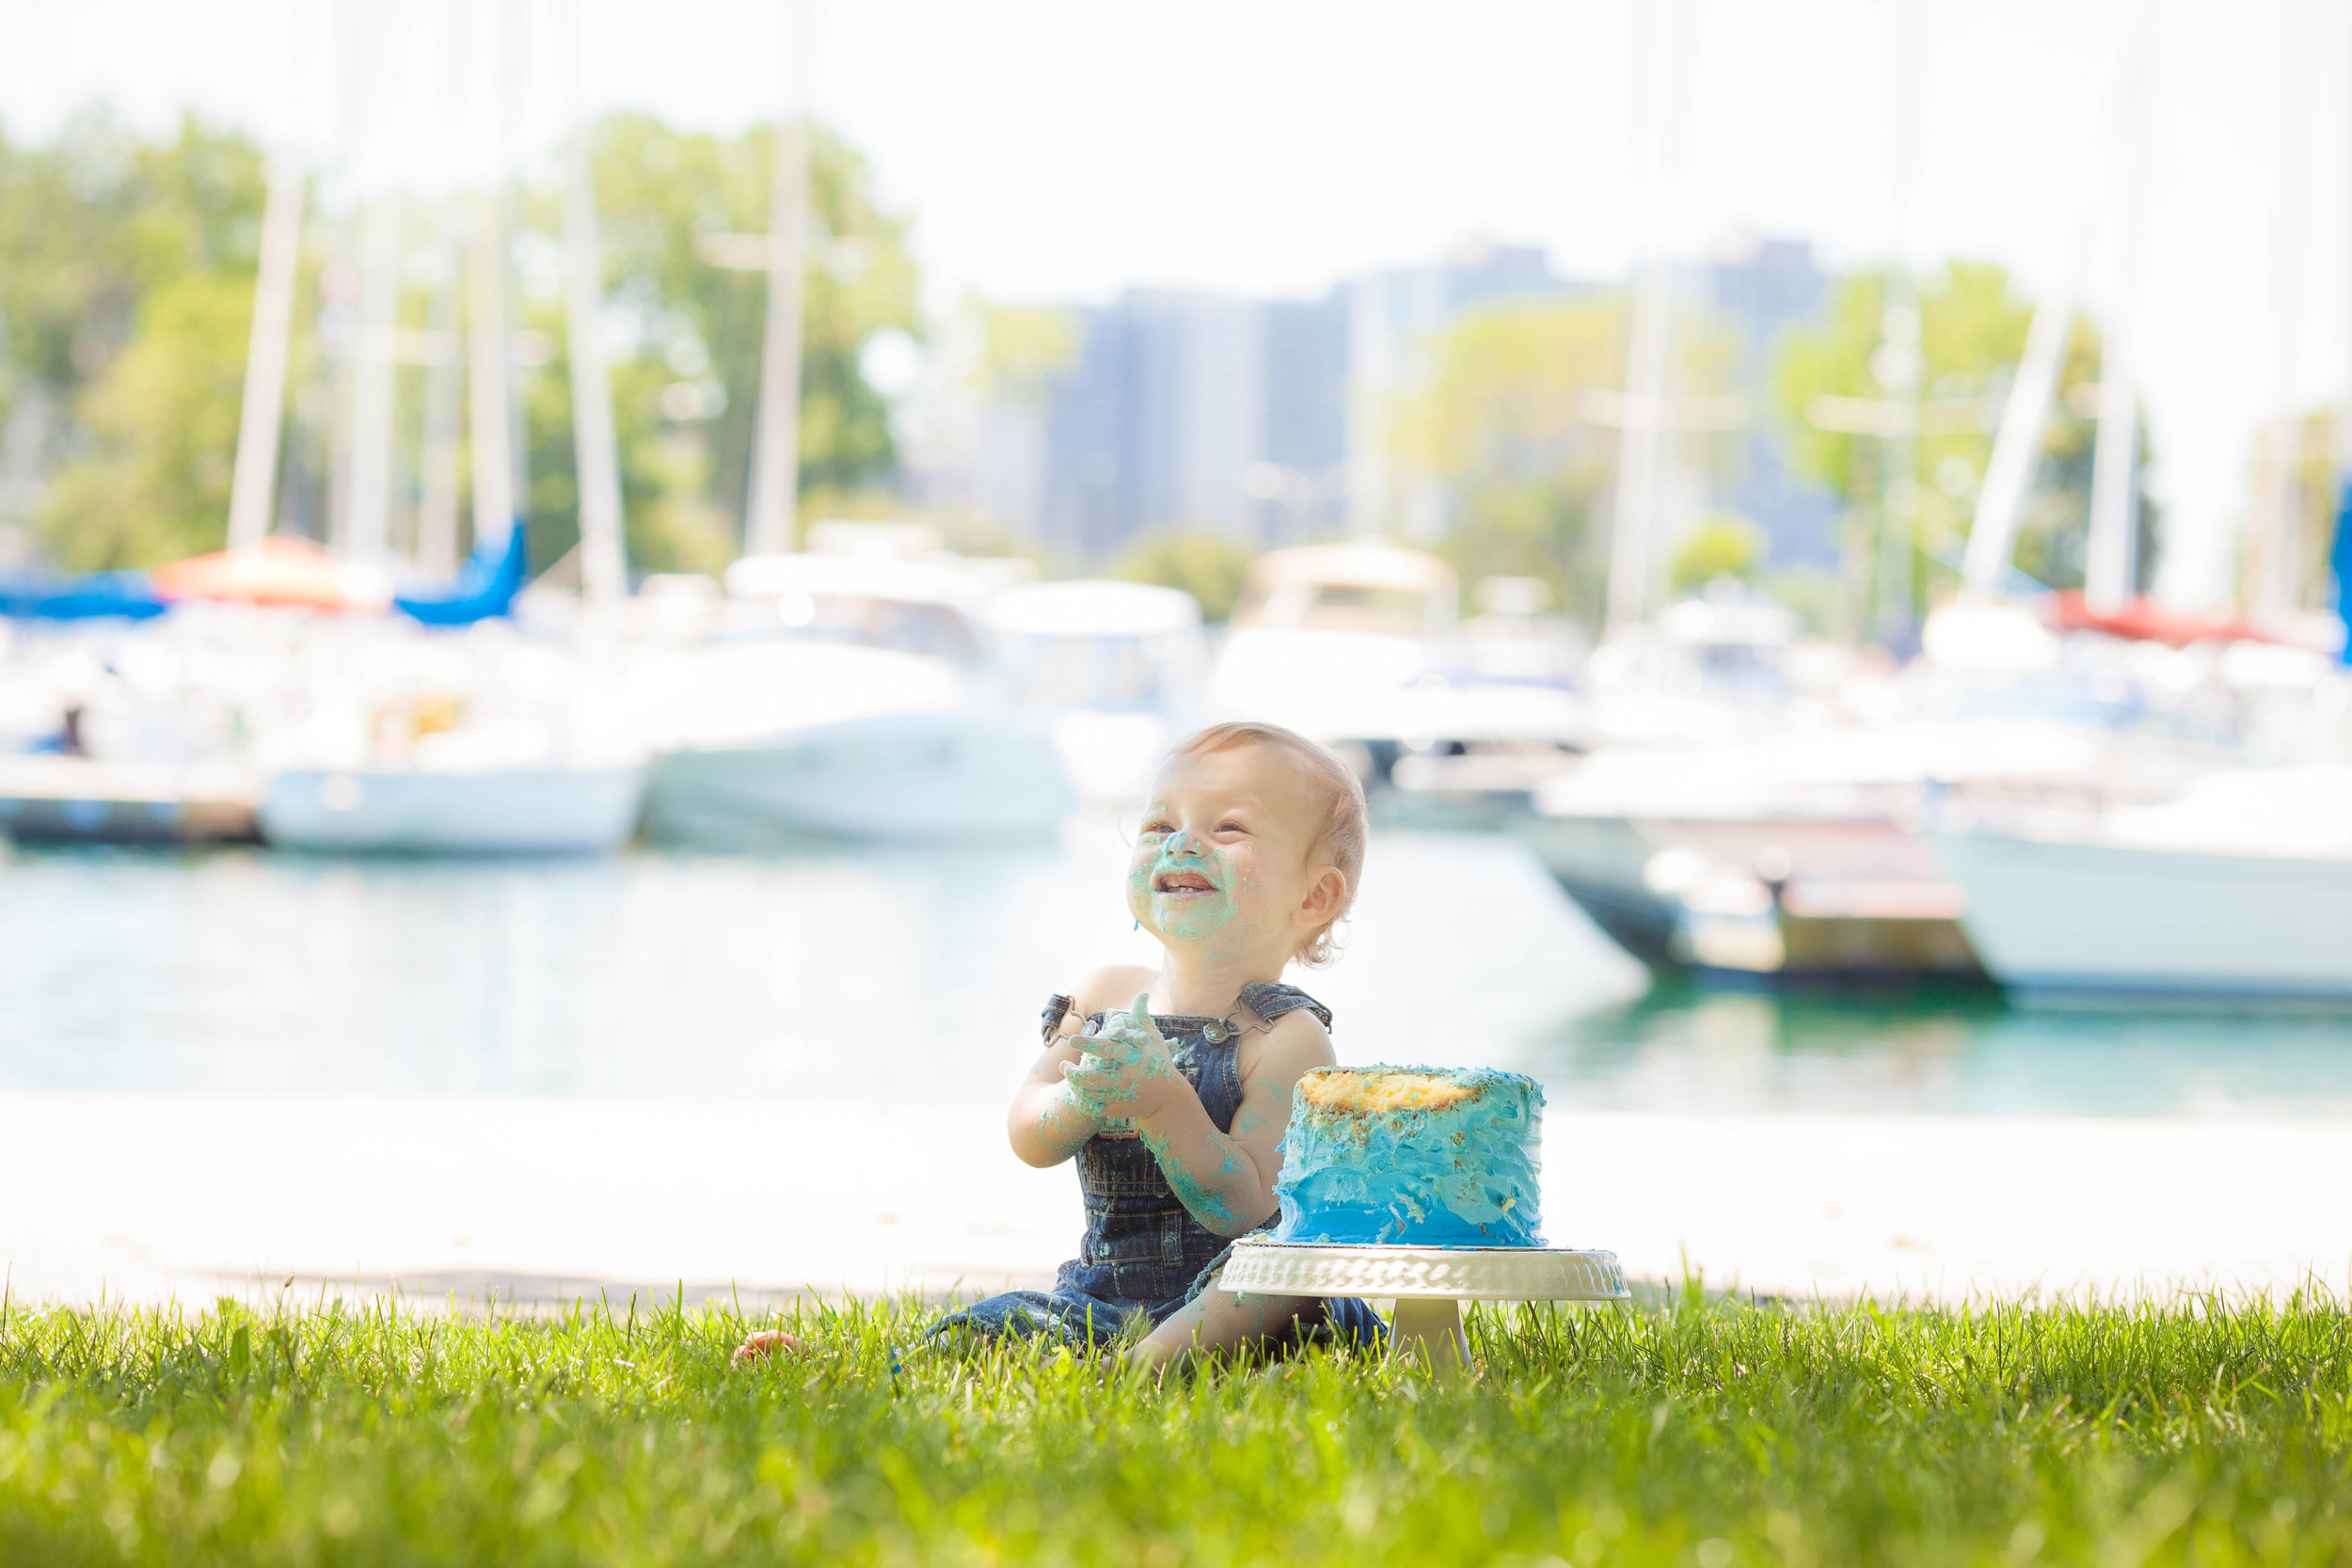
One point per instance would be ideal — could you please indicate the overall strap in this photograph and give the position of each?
(1057, 1009)
(1270, 1000)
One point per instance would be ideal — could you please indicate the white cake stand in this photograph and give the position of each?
(1429, 1284)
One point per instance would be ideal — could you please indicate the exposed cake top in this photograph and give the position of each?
(1369, 1091)
(1374, 1091)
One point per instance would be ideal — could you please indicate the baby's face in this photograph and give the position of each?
(1221, 863)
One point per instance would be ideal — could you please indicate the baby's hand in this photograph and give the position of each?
(1126, 1071)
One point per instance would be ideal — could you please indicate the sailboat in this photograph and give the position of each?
(2237, 887)
(470, 746)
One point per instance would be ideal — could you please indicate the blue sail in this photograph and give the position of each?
(485, 586)
(44, 596)
(2340, 558)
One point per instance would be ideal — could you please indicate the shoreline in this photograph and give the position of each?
(187, 1197)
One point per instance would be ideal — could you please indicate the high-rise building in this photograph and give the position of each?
(1257, 419)
(1763, 290)
(1263, 420)
(1199, 412)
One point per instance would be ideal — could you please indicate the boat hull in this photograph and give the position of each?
(1598, 862)
(1860, 903)
(522, 810)
(2081, 919)
(905, 778)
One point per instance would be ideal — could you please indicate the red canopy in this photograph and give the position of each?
(2143, 620)
(276, 571)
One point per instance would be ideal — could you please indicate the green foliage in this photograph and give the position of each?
(1724, 545)
(162, 426)
(1500, 424)
(1208, 566)
(1972, 333)
(1025, 347)
(125, 297)
(659, 195)
(1687, 1432)
(1504, 427)
(126, 277)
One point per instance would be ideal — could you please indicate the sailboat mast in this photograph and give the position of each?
(1657, 135)
(369, 539)
(436, 510)
(776, 444)
(2109, 562)
(1899, 362)
(486, 372)
(603, 561)
(253, 484)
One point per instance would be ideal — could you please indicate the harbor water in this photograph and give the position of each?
(914, 976)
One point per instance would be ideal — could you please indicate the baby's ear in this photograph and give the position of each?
(1324, 893)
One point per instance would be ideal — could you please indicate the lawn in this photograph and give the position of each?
(1688, 1432)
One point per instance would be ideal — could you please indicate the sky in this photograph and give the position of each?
(1054, 149)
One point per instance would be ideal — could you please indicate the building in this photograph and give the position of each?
(1763, 290)
(1261, 420)
(1199, 412)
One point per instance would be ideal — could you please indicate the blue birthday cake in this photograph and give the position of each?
(1412, 1157)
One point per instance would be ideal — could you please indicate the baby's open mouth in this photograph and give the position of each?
(1182, 882)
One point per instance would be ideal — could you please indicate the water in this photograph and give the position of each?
(918, 976)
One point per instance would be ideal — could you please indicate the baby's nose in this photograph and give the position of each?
(1182, 843)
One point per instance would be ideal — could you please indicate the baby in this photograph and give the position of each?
(1249, 855)
(1171, 1086)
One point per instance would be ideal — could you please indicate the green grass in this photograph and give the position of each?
(1688, 1433)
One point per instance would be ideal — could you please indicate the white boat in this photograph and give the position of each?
(863, 708)
(902, 777)
(1359, 646)
(2240, 889)
(1114, 669)
(503, 811)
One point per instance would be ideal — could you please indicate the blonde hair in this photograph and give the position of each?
(1332, 786)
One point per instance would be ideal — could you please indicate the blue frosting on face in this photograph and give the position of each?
(1412, 1157)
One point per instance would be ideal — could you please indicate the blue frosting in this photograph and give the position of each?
(1412, 1157)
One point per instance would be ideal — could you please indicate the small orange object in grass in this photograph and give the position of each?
(767, 1342)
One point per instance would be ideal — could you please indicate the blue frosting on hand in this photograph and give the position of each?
(1412, 1157)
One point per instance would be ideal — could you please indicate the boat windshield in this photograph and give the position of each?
(910, 625)
(1105, 673)
(1339, 606)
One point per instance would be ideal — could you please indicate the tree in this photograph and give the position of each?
(126, 276)
(125, 295)
(686, 389)
(160, 425)
(1972, 335)
(1505, 424)
(1500, 424)
(1725, 546)
(1209, 567)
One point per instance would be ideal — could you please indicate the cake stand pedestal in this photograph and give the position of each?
(1429, 1284)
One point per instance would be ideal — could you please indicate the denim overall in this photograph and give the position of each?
(1143, 1252)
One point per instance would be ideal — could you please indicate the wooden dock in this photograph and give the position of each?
(61, 800)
